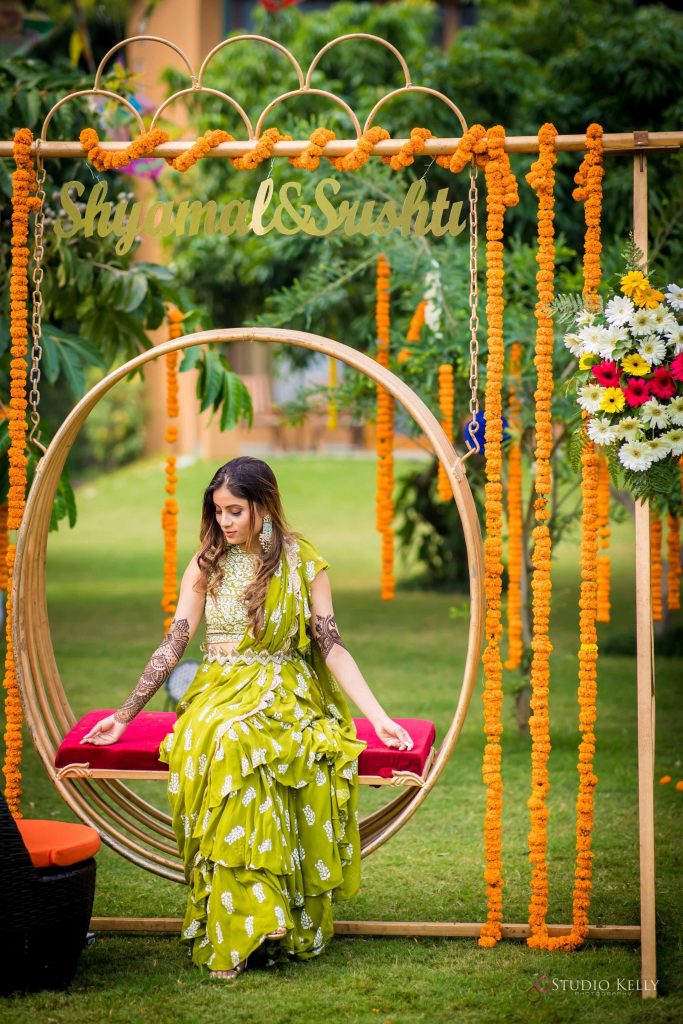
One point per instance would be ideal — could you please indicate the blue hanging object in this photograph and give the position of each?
(481, 432)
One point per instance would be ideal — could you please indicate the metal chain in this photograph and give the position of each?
(473, 441)
(36, 319)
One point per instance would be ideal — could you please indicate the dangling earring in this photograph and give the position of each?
(266, 534)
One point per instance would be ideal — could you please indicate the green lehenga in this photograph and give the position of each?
(263, 783)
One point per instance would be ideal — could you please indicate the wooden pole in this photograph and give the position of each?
(645, 673)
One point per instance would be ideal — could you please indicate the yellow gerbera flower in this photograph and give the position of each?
(648, 297)
(634, 279)
(635, 365)
(612, 400)
(587, 360)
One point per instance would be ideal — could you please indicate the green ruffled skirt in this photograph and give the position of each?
(263, 787)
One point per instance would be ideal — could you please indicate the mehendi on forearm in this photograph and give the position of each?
(327, 634)
(157, 670)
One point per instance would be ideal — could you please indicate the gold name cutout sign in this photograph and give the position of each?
(289, 215)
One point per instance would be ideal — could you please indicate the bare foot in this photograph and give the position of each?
(277, 934)
(232, 972)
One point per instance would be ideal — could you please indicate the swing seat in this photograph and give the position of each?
(136, 754)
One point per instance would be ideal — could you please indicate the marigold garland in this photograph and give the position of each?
(515, 515)
(501, 192)
(169, 514)
(24, 201)
(331, 404)
(656, 575)
(105, 160)
(590, 192)
(446, 404)
(409, 150)
(604, 533)
(309, 160)
(673, 579)
(385, 436)
(413, 335)
(541, 177)
(362, 151)
(200, 149)
(4, 541)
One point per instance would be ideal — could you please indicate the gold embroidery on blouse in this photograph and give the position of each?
(226, 614)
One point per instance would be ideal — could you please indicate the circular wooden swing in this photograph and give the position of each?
(130, 825)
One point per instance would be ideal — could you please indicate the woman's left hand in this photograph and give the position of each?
(392, 734)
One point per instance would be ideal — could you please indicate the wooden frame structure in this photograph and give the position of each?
(31, 629)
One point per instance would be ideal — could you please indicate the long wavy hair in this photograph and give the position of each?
(253, 481)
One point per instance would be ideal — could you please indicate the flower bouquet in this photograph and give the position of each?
(629, 381)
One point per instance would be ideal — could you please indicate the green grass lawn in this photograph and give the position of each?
(104, 586)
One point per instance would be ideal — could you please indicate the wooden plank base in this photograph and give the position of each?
(446, 929)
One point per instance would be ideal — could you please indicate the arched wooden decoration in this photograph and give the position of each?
(129, 824)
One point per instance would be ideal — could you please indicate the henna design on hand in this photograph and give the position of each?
(327, 634)
(157, 670)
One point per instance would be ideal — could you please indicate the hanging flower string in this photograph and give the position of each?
(656, 574)
(589, 179)
(542, 179)
(603, 562)
(446, 403)
(4, 542)
(24, 201)
(514, 511)
(331, 404)
(385, 436)
(501, 192)
(673, 579)
(169, 515)
(414, 330)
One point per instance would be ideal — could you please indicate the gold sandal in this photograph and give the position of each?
(232, 972)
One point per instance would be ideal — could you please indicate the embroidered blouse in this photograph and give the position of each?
(225, 612)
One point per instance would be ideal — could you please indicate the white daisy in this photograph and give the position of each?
(675, 410)
(658, 448)
(635, 455)
(674, 296)
(573, 343)
(674, 438)
(601, 431)
(590, 397)
(674, 335)
(660, 316)
(619, 311)
(654, 414)
(629, 429)
(596, 340)
(652, 349)
(585, 318)
(641, 322)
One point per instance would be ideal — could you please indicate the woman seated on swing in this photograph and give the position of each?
(263, 758)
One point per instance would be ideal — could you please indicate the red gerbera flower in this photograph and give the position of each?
(662, 384)
(676, 367)
(637, 391)
(607, 374)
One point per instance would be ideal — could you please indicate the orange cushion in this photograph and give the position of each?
(59, 843)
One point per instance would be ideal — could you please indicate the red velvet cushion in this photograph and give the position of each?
(57, 842)
(138, 748)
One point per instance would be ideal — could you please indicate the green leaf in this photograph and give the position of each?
(213, 382)
(191, 358)
(134, 292)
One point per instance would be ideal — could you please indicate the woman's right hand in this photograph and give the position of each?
(107, 730)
